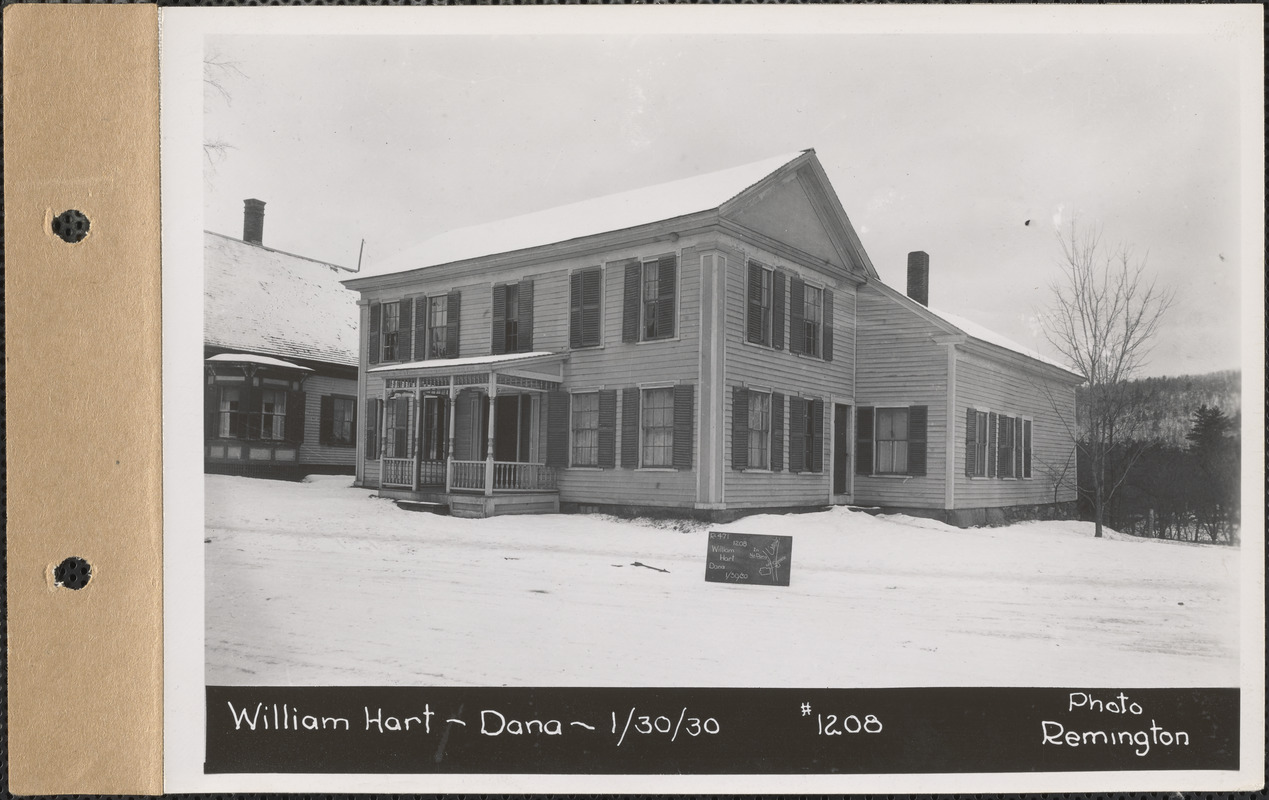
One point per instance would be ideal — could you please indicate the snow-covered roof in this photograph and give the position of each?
(248, 358)
(449, 364)
(264, 301)
(575, 220)
(971, 328)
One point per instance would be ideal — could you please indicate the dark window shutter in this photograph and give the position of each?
(630, 428)
(294, 425)
(739, 427)
(592, 302)
(373, 415)
(325, 419)
(797, 441)
(453, 304)
(828, 325)
(777, 312)
(971, 437)
(918, 420)
(1017, 448)
(525, 335)
(420, 328)
(405, 350)
(211, 411)
(498, 342)
(375, 309)
(684, 425)
(753, 325)
(863, 440)
(667, 313)
(992, 424)
(797, 322)
(1026, 452)
(401, 442)
(630, 305)
(817, 435)
(777, 432)
(608, 428)
(575, 337)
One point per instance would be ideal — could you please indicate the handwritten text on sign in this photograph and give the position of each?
(748, 558)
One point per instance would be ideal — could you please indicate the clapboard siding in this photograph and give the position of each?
(1004, 390)
(793, 375)
(311, 450)
(374, 388)
(899, 364)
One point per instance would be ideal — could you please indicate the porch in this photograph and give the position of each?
(469, 434)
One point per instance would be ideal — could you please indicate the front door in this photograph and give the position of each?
(841, 448)
(513, 426)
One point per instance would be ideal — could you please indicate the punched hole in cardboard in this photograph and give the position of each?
(72, 226)
(73, 573)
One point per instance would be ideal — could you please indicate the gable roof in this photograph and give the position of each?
(264, 301)
(612, 212)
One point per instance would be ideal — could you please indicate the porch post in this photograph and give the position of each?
(414, 435)
(489, 452)
(449, 450)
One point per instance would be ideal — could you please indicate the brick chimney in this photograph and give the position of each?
(919, 276)
(253, 221)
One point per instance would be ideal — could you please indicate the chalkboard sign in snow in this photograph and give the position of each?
(748, 558)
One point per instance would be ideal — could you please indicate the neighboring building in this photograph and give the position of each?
(280, 343)
(710, 346)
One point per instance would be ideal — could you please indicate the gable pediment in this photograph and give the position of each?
(799, 208)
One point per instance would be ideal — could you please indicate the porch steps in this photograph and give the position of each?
(423, 505)
(476, 506)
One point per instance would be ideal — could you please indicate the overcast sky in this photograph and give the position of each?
(973, 148)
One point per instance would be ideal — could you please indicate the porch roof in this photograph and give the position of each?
(251, 358)
(542, 364)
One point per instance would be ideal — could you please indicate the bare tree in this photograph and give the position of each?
(1105, 314)
(217, 70)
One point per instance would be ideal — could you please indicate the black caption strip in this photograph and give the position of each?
(717, 731)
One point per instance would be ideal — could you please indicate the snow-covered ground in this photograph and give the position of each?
(320, 583)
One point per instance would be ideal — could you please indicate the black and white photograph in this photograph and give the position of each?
(896, 357)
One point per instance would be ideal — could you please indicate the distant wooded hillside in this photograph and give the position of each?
(1168, 404)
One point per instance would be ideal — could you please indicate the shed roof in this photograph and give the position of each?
(265, 301)
(599, 215)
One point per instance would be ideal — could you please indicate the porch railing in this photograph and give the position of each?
(431, 473)
(508, 476)
(398, 472)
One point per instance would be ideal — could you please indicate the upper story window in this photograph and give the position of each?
(760, 288)
(390, 330)
(512, 318)
(650, 301)
(811, 325)
(438, 327)
(414, 328)
(584, 294)
(812, 320)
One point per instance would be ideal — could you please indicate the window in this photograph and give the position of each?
(433, 428)
(759, 430)
(229, 416)
(648, 300)
(511, 325)
(272, 414)
(812, 320)
(977, 436)
(585, 428)
(397, 427)
(337, 421)
(1026, 448)
(806, 433)
(892, 441)
(584, 305)
(761, 302)
(389, 330)
(1006, 452)
(657, 424)
(437, 326)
